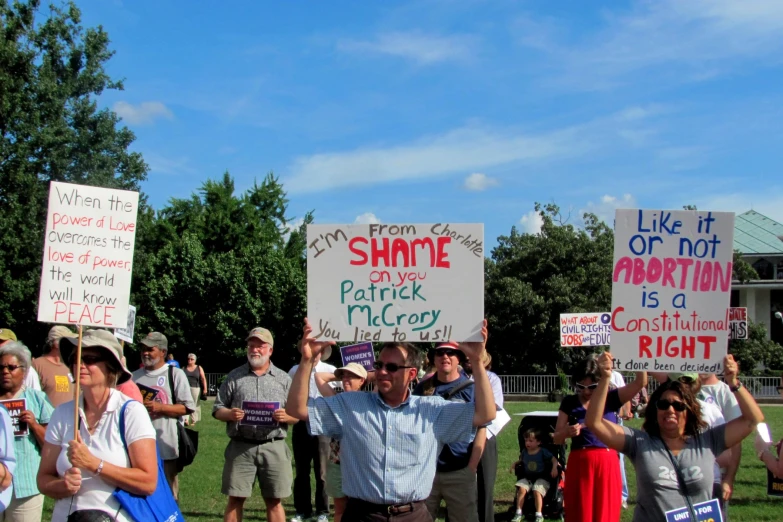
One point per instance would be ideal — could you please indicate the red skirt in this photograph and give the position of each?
(593, 486)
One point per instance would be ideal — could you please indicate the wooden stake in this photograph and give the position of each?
(77, 388)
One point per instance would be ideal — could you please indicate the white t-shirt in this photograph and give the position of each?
(713, 417)
(720, 395)
(105, 444)
(320, 367)
(31, 380)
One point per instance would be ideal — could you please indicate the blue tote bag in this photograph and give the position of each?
(158, 507)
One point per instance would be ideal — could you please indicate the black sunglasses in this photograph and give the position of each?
(88, 360)
(685, 379)
(390, 367)
(450, 352)
(587, 386)
(9, 367)
(664, 405)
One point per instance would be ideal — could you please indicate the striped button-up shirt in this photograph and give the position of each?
(242, 384)
(388, 455)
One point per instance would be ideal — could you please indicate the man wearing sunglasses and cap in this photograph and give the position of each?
(311, 448)
(390, 439)
(255, 450)
(455, 473)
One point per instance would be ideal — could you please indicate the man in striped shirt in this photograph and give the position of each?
(390, 440)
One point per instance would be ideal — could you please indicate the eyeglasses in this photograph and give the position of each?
(88, 360)
(686, 379)
(390, 367)
(664, 405)
(9, 367)
(449, 352)
(587, 386)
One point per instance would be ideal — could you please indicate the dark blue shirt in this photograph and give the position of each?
(537, 466)
(454, 456)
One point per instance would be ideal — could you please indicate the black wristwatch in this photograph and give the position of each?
(735, 389)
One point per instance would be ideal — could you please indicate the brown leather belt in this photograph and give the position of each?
(391, 509)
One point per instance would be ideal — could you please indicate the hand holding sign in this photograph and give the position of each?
(309, 346)
(605, 364)
(474, 349)
(730, 370)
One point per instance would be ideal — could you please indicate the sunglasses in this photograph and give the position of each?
(449, 352)
(88, 360)
(587, 386)
(9, 367)
(390, 367)
(664, 405)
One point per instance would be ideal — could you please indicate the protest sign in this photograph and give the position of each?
(361, 353)
(126, 334)
(591, 329)
(738, 323)
(15, 408)
(147, 393)
(413, 283)
(671, 285)
(88, 255)
(774, 485)
(259, 413)
(708, 511)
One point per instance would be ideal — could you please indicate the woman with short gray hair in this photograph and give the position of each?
(198, 387)
(27, 501)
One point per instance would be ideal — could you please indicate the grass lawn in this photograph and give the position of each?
(201, 500)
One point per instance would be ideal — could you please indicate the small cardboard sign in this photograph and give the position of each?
(738, 323)
(259, 413)
(708, 511)
(591, 329)
(126, 334)
(361, 353)
(147, 393)
(15, 408)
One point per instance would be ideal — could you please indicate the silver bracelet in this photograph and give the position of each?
(100, 468)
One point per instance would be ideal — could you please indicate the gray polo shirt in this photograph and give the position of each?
(244, 385)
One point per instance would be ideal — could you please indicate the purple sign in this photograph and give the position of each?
(259, 413)
(361, 353)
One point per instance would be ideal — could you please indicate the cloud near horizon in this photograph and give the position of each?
(144, 113)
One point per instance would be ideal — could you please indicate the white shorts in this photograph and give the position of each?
(541, 485)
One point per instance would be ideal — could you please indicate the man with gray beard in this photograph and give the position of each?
(167, 399)
(257, 447)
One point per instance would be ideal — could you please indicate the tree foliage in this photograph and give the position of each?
(532, 278)
(756, 353)
(50, 130)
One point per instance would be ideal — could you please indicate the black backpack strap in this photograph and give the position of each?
(455, 390)
(171, 384)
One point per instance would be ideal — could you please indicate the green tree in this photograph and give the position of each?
(532, 278)
(756, 353)
(51, 129)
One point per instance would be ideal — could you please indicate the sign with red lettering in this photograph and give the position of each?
(671, 286)
(591, 329)
(88, 255)
(412, 283)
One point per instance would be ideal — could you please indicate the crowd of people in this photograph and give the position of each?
(417, 440)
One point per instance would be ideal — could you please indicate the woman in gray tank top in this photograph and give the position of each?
(198, 385)
(675, 453)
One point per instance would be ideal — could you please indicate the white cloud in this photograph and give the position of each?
(456, 151)
(531, 222)
(144, 113)
(694, 40)
(161, 165)
(477, 182)
(368, 218)
(421, 48)
(290, 227)
(769, 202)
(608, 204)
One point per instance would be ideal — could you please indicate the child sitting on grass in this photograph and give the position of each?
(532, 474)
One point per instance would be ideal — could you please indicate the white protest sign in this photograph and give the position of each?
(88, 255)
(671, 286)
(126, 334)
(587, 329)
(413, 283)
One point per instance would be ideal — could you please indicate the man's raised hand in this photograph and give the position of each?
(309, 346)
(474, 349)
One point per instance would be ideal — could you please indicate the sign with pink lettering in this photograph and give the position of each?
(414, 283)
(671, 288)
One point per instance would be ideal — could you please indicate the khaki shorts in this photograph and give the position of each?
(270, 462)
(541, 485)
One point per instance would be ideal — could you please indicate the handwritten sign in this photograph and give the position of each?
(259, 413)
(593, 329)
(88, 255)
(708, 511)
(15, 408)
(671, 290)
(361, 353)
(738, 323)
(126, 334)
(413, 283)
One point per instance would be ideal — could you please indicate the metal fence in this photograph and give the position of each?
(760, 387)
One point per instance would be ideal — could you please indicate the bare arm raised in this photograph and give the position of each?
(300, 386)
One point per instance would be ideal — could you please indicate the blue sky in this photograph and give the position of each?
(462, 111)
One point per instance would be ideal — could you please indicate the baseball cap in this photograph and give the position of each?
(354, 368)
(7, 335)
(107, 341)
(262, 334)
(693, 376)
(156, 339)
(447, 344)
(58, 332)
